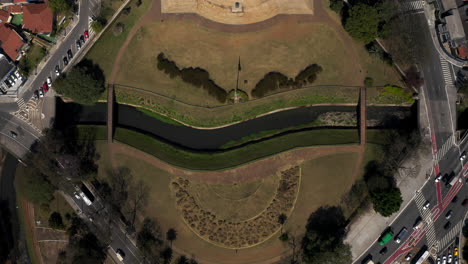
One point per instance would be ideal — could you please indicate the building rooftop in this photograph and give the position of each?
(4, 16)
(37, 18)
(10, 42)
(5, 66)
(455, 26)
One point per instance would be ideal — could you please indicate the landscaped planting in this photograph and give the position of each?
(237, 234)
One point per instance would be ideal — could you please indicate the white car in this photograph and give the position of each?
(438, 260)
(408, 257)
(41, 94)
(449, 259)
(438, 178)
(444, 260)
(77, 196)
(49, 81)
(463, 156)
(426, 205)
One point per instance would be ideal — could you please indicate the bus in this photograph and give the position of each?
(385, 237)
(423, 257)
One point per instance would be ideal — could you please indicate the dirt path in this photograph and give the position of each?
(249, 172)
(320, 16)
(30, 226)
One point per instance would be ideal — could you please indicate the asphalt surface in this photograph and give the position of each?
(438, 84)
(20, 143)
(97, 214)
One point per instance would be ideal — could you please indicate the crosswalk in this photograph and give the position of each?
(21, 103)
(445, 148)
(447, 239)
(446, 71)
(427, 216)
(90, 29)
(413, 5)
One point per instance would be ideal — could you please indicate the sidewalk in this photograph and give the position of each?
(365, 230)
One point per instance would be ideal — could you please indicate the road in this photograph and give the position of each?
(438, 88)
(97, 214)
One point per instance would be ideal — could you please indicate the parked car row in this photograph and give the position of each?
(11, 80)
(39, 93)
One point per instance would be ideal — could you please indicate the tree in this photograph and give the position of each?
(120, 181)
(118, 28)
(281, 220)
(55, 221)
(149, 238)
(325, 231)
(368, 82)
(284, 237)
(97, 26)
(387, 201)
(82, 84)
(60, 6)
(362, 23)
(336, 5)
(171, 235)
(137, 199)
(37, 189)
(166, 255)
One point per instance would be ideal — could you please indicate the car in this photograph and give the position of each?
(36, 95)
(455, 199)
(447, 225)
(18, 75)
(449, 259)
(449, 214)
(409, 256)
(82, 40)
(86, 35)
(49, 82)
(463, 156)
(69, 54)
(57, 70)
(13, 134)
(40, 92)
(418, 224)
(426, 205)
(465, 202)
(444, 260)
(120, 254)
(78, 45)
(438, 178)
(77, 196)
(455, 251)
(45, 88)
(438, 260)
(65, 61)
(383, 251)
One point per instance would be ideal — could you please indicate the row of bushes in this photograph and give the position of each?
(196, 76)
(275, 80)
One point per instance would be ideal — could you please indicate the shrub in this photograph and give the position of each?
(368, 82)
(97, 26)
(55, 221)
(196, 76)
(118, 29)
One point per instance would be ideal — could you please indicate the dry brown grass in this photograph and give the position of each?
(287, 47)
(238, 234)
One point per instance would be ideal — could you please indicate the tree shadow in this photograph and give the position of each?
(328, 222)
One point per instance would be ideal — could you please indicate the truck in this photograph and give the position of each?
(454, 180)
(401, 235)
(385, 237)
(419, 224)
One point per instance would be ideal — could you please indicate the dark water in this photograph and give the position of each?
(204, 139)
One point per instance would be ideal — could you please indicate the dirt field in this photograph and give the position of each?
(315, 190)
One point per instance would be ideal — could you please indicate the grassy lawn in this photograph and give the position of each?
(23, 218)
(58, 204)
(235, 157)
(48, 38)
(105, 50)
(17, 20)
(322, 183)
(29, 62)
(108, 8)
(211, 117)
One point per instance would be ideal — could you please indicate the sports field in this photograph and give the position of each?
(322, 183)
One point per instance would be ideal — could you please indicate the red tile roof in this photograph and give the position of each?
(37, 18)
(462, 52)
(10, 41)
(4, 15)
(15, 9)
(20, 1)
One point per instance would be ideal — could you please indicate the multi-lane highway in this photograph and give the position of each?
(439, 230)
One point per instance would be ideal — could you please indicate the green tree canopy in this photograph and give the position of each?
(83, 84)
(60, 6)
(36, 188)
(149, 239)
(55, 221)
(387, 201)
(336, 5)
(363, 22)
